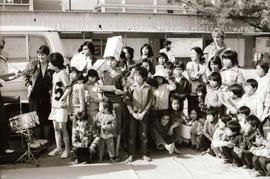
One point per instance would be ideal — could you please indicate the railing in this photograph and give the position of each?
(154, 7)
(16, 5)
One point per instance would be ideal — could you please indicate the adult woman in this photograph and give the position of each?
(88, 50)
(39, 81)
(147, 52)
(196, 73)
(129, 54)
(217, 47)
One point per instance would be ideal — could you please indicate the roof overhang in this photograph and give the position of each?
(84, 21)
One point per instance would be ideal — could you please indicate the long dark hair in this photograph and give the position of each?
(199, 51)
(89, 45)
(150, 50)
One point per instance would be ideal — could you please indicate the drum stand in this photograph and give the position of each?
(28, 156)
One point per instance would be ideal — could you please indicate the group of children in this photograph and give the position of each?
(135, 98)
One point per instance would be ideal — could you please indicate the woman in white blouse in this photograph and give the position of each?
(196, 72)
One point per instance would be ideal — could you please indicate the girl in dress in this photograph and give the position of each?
(59, 113)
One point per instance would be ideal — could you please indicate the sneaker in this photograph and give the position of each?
(129, 159)
(64, 155)
(146, 158)
(170, 148)
(9, 151)
(54, 152)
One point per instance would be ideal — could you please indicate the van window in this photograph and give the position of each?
(35, 41)
(15, 52)
(15, 48)
(19, 52)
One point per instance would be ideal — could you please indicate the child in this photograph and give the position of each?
(162, 59)
(210, 126)
(162, 92)
(214, 65)
(250, 136)
(93, 94)
(76, 100)
(183, 87)
(113, 77)
(168, 70)
(262, 79)
(164, 133)
(199, 132)
(214, 96)
(231, 73)
(243, 113)
(201, 92)
(81, 128)
(251, 99)
(106, 122)
(176, 114)
(261, 156)
(219, 135)
(234, 139)
(59, 113)
(139, 104)
(76, 109)
(194, 116)
(234, 100)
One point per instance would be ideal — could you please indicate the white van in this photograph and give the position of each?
(21, 44)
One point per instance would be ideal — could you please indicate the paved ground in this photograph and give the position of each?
(188, 165)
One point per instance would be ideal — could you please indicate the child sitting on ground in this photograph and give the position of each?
(210, 126)
(220, 136)
(234, 140)
(194, 116)
(261, 156)
(243, 113)
(251, 134)
(164, 133)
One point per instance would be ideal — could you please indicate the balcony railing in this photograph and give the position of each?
(151, 7)
(16, 5)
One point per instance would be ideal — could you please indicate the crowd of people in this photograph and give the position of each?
(136, 103)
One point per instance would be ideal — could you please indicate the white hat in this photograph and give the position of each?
(113, 47)
(160, 73)
(78, 61)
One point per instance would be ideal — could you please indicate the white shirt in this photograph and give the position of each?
(60, 82)
(169, 54)
(254, 103)
(263, 83)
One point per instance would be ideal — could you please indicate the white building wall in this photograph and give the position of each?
(79, 4)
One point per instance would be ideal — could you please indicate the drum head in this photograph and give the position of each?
(24, 121)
